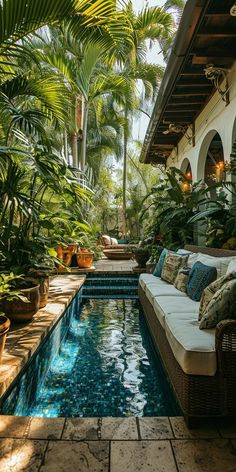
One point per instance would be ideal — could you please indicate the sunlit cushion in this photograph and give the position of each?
(193, 349)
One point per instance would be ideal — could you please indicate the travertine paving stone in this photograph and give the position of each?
(155, 428)
(209, 455)
(181, 431)
(71, 456)
(18, 455)
(13, 426)
(45, 428)
(142, 456)
(81, 429)
(119, 428)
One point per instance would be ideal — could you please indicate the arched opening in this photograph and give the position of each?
(186, 168)
(234, 132)
(214, 164)
(211, 157)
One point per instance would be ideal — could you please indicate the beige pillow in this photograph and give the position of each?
(171, 266)
(221, 306)
(182, 279)
(210, 291)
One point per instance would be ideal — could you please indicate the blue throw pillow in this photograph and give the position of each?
(200, 277)
(158, 269)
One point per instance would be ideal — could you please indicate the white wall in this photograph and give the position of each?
(215, 118)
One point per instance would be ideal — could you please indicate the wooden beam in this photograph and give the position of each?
(205, 85)
(216, 34)
(214, 52)
(175, 110)
(186, 102)
(221, 14)
(192, 72)
(190, 94)
(218, 61)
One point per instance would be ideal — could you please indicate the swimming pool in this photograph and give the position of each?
(99, 361)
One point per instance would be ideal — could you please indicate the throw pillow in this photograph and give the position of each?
(221, 306)
(231, 267)
(171, 266)
(106, 240)
(210, 291)
(158, 269)
(182, 279)
(200, 277)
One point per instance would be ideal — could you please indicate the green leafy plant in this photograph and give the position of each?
(8, 290)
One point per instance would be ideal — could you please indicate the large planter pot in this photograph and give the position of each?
(18, 310)
(4, 328)
(141, 259)
(84, 259)
(43, 291)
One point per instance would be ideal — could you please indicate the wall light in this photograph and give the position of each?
(233, 10)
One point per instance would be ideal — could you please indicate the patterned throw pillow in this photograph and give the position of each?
(158, 269)
(182, 279)
(200, 277)
(221, 306)
(210, 291)
(171, 266)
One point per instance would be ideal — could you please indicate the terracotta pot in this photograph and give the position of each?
(66, 257)
(43, 291)
(4, 328)
(20, 311)
(72, 247)
(84, 259)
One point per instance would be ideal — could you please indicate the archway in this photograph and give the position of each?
(211, 158)
(186, 168)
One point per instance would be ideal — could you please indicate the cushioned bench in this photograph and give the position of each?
(201, 364)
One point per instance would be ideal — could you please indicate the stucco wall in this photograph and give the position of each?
(216, 117)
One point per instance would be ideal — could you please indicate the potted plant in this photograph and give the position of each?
(141, 254)
(88, 251)
(19, 297)
(153, 259)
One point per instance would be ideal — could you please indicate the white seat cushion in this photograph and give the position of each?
(194, 349)
(164, 305)
(165, 289)
(147, 280)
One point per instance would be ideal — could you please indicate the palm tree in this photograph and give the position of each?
(83, 18)
(153, 24)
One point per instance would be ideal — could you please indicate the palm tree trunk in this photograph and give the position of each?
(74, 150)
(84, 140)
(66, 146)
(124, 188)
(75, 135)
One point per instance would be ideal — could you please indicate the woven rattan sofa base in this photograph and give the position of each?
(199, 396)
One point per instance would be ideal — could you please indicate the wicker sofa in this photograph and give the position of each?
(201, 364)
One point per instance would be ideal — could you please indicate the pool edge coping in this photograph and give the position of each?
(23, 340)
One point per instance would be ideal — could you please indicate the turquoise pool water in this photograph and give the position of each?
(98, 361)
(106, 366)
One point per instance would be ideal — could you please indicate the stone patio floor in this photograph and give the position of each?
(101, 444)
(114, 445)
